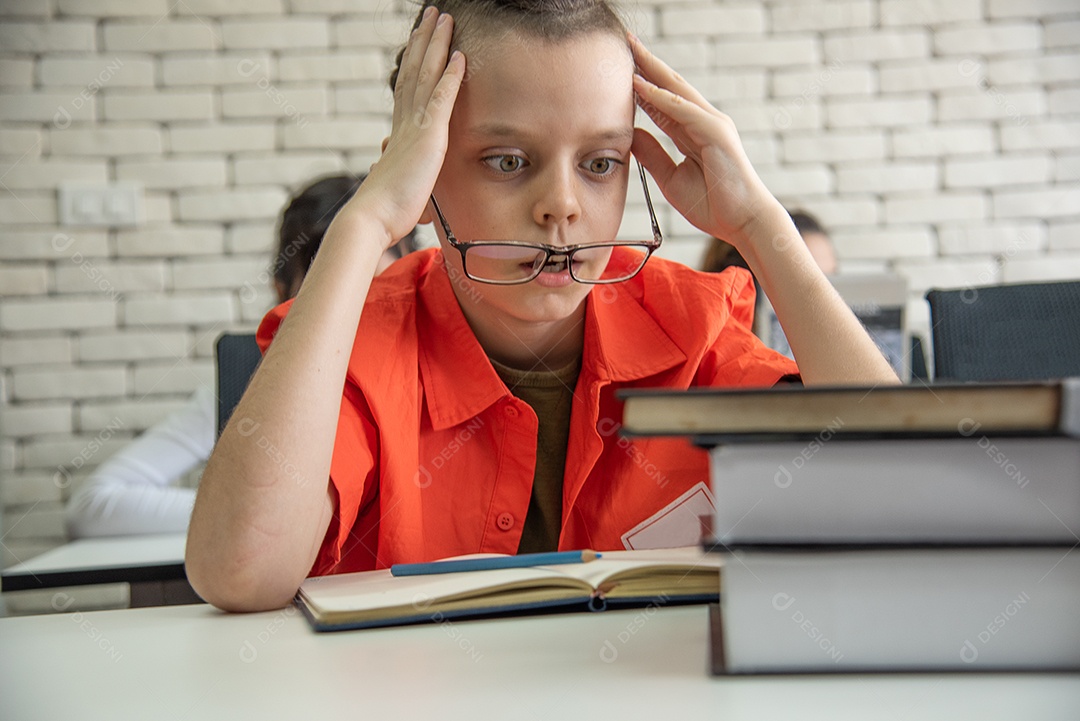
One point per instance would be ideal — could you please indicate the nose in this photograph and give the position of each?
(558, 200)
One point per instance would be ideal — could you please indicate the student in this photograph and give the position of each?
(431, 445)
(137, 490)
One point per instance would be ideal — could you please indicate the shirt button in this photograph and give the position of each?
(505, 521)
(511, 411)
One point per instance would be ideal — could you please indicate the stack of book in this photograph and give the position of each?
(899, 528)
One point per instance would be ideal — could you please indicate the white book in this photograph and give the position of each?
(975, 609)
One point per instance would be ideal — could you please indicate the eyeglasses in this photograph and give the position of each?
(511, 262)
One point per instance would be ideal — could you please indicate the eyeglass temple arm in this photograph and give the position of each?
(657, 236)
(442, 220)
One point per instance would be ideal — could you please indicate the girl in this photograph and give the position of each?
(478, 412)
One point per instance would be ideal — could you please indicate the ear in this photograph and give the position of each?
(385, 142)
(428, 216)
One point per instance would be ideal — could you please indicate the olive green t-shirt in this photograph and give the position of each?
(550, 393)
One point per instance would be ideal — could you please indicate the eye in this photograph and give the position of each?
(505, 163)
(602, 166)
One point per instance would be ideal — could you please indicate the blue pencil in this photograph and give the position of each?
(523, 560)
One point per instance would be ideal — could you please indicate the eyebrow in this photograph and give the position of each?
(500, 130)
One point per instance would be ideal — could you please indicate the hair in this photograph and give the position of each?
(305, 220)
(477, 20)
(806, 223)
(720, 254)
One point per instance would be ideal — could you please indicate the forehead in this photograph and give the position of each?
(574, 87)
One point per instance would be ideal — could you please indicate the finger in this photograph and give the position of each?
(682, 116)
(657, 71)
(652, 155)
(441, 104)
(434, 61)
(411, 60)
(669, 127)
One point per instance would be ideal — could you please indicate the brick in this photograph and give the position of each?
(173, 377)
(755, 116)
(997, 172)
(863, 114)
(887, 178)
(822, 16)
(35, 350)
(718, 88)
(157, 208)
(299, 104)
(685, 53)
(1064, 235)
(1053, 135)
(221, 273)
(922, 275)
(35, 523)
(68, 452)
(164, 36)
(23, 280)
(344, 66)
(990, 38)
(924, 75)
(830, 80)
(774, 52)
(762, 149)
(1056, 267)
(253, 306)
(1067, 166)
(371, 98)
(55, 383)
(835, 147)
(49, 245)
(216, 8)
(28, 488)
(730, 19)
(877, 45)
(174, 173)
(55, 36)
(179, 309)
(875, 242)
(222, 138)
(1065, 101)
(927, 12)
(340, 133)
(1049, 202)
(850, 211)
(795, 180)
(1060, 33)
(230, 205)
(252, 238)
(23, 421)
(290, 169)
(27, 208)
(110, 277)
(26, 8)
(328, 7)
(16, 72)
(111, 141)
(1035, 70)
(276, 34)
(992, 103)
(57, 314)
(228, 69)
(7, 454)
(1032, 8)
(113, 8)
(172, 240)
(58, 107)
(380, 29)
(114, 71)
(24, 143)
(981, 238)
(937, 208)
(48, 174)
(943, 140)
(160, 105)
(136, 415)
(132, 345)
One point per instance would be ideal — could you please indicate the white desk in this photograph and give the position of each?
(193, 662)
(153, 565)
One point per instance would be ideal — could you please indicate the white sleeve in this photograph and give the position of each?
(135, 491)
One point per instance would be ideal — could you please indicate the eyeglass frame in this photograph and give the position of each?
(550, 250)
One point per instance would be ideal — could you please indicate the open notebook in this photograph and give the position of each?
(370, 599)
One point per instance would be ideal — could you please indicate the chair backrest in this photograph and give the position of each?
(238, 356)
(1006, 332)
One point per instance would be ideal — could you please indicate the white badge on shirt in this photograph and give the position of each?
(676, 524)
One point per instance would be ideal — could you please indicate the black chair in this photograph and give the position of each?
(238, 356)
(1006, 332)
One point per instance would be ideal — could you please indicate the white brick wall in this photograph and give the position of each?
(940, 140)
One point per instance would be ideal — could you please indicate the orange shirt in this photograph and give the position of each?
(434, 457)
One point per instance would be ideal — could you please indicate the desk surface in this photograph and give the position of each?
(102, 560)
(196, 662)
